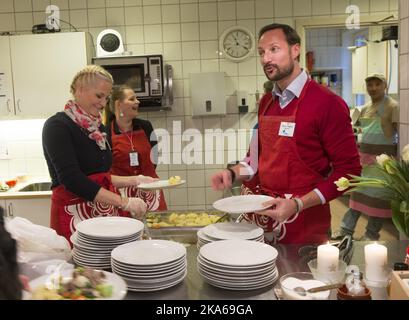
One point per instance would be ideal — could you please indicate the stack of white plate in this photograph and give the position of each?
(238, 264)
(150, 265)
(95, 239)
(229, 231)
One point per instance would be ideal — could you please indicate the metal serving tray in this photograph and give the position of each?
(185, 234)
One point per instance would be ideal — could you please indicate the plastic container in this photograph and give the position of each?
(332, 276)
(305, 280)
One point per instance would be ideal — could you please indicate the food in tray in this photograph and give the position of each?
(86, 283)
(174, 180)
(188, 219)
(3, 186)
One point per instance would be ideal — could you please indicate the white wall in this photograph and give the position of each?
(186, 33)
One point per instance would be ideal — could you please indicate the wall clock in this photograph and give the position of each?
(236, 43)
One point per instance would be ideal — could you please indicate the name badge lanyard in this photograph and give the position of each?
(133, 155)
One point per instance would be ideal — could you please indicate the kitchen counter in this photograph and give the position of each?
(193, 287)
(13, 193)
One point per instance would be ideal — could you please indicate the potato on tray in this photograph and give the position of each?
(181, 219)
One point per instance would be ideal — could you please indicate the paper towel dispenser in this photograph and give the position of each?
(207, 93)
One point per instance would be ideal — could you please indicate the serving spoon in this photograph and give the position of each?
(303, 292)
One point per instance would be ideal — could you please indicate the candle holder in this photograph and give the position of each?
(377, 276)
(335, 276)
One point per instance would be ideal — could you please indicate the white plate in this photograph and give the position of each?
(110, 227)
(161, 184)
(149, 252)
(242, 204)
(239, 252)
(119, 287)
(232, 230)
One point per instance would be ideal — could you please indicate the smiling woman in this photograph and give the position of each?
(79, 157)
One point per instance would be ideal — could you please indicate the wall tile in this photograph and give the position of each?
(403, 74)
(79, 18)
(97, 17)
(207, 12)
(191, 50)
(378, 6)
(209, 49)
(171, 32)
(115, 16)
(154, 48)
(264, 9)
(210, 65)
(133, 16)
(195, 178)
(153, 33)
(363, 5)
(7, 22)
(77, 4)
(227, 10)
(404, 105)
(208, 30)
(283, 8)
(404, 37)
(190, 31)
(196, 197)
(172, 50)
(321, 7)
(24, 21)
(134, 34)
(24, 5)
(245, 10)
(404, 9)
(189, 12)
(114, 3)
(95, 4)
(302, 8)
(152, 15)
(170, 14)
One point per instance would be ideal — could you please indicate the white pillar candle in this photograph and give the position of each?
(327, 258)
(376, 261)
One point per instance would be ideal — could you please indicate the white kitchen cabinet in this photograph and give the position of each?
(375, 57)
(359, 70)
(37, 70)
(37, 210)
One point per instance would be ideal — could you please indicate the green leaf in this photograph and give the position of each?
(400, 219)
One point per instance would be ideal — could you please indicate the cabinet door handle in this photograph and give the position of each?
(8, 105)
(18, 105)
(10, 210)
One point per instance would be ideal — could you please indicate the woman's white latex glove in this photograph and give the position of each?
(137, 207)
(143, 179)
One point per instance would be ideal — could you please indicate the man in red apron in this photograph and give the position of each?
(305, 143)
(132, 145)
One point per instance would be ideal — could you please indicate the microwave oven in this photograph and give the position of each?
(146, 75)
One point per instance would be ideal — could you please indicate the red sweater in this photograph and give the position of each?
(323, 134)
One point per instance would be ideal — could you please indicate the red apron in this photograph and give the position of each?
(67, 209)
(282, 173)
(121, 148)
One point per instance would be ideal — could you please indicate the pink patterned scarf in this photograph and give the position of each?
(86, 121)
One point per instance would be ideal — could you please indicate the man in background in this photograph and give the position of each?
(378, 126)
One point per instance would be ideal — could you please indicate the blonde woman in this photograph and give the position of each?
(79, 157)
(132, 143)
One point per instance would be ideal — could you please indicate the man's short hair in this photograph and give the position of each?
(291, 35)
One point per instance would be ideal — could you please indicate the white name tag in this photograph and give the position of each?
(133, 159)
(286, 129)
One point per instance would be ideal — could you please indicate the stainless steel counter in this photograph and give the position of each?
(193, 287)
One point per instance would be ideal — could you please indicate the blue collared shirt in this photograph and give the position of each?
(293, 90)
